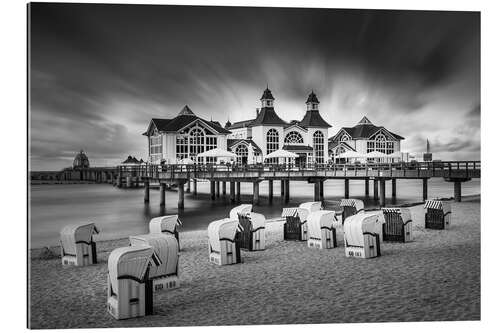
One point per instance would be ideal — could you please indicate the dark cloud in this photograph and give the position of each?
(111, 68)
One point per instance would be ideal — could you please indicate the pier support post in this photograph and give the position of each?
(316, 191)
(217, 188)
(424, 189)
(367, 187)
(163, 188)
(212, 189)
(287, 190)
(346, 188)
(382, 192)
(457, 191)
(129, 181)
(146, 190)
(271, 191)
(282, 187)
(180, 190)
(231, 191)
(118, 179)
(223, 189)
(393, 180)
(238, 191)
(255, 193)
(195, 187)
(322, 190)
(188, 186)
(375, 189)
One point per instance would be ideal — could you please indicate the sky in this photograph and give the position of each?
(99, 73)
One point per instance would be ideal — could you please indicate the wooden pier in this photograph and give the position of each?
(455, 172)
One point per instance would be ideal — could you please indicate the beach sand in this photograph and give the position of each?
(435, 277)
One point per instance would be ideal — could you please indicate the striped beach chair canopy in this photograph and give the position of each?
(130, 262)
(402, 211)
(75, 234)
(358, 204)
(438, 204)
(356, 226)
(241, 209)
(167, 223)
(318, 220)
(311, 206)
(220, 230)
(165, 247)
(295, 211)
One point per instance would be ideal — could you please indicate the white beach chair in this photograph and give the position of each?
(222, 246)
(164, 276)
(311, 206)
(437, 214)
(130, 292)
(77, 245)
(397, 225)
(241, 209)
(168, 224)
(321, 230)
(295, 227)
(362, 235)
(253, 236)
(351, 207)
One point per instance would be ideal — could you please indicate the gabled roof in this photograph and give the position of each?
(312, 118)
(364, 130)
(267, 116)
(297, 148)
(233, 142)
(296, 124)
(240, 124)
(332, 145)
(186, 111)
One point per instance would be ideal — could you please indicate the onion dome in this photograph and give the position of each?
(81, 161)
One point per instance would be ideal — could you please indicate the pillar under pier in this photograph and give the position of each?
(163, 188)
(146, 190)
(255, 193)
(316, 191)
(180, 190)
(322, 190)
(393, 181)
(346, 188)
(382, 192)
(195, 187)
(375, 189)
(223, 189)
(231, 191)
(287, 190)
(188, 186)
(457, 191)
(270, 191)
(238, 191)
(282, 187)
(367, 187)
(424, 189)
(212, 190)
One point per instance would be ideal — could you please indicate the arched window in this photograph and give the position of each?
(294, 137)
(380, 143)
(319, 147)
(242, 154)
(345, 137)
(194, 141)
(272, 143)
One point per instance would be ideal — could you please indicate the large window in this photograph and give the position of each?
(381, 144)
(242, 154)
(319, 147)
(272, 143)
(155, 148)
(194, 141)
(294, 137)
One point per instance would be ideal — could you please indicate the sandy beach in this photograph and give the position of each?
(435, 277)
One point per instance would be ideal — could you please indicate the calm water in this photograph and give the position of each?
(122, 212)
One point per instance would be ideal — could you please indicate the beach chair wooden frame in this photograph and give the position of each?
(350, 207)
(78, 247)
(168, 224)
(251, 239)
(229, 251)
(321, 231)
(370, 247)
(395, 228)
(295, 227)
(437, 215)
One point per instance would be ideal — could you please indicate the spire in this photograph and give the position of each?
(186, 111)
(267, 98)
(312, 101)
(428, 146)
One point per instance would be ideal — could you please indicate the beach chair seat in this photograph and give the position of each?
(398, 224)
(295, 227)
(437, 214)
(241, 209)
(130, 291)
(321, 230)
(166, 275)
(168, 224)
(351, 207)
(223, 245)
(253, 236)
(361, 235)
(77, 245)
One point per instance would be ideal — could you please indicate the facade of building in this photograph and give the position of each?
(187, 135)
(363, 139)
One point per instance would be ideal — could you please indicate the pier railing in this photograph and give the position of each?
(446, 169)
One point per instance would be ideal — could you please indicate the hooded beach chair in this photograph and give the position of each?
(223, 247)
(241, 209)
(168, 224)
(397, 225)
(253, 236)
(311, 206)
(437, 214)
(361, 235)
(77, 245)
(130, 291)
(351, 207)
(165, 276)
(295, 227)
(321, 230)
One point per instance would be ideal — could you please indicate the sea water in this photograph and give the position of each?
(121, 212)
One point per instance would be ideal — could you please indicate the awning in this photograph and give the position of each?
(280, 153)
(217, 152)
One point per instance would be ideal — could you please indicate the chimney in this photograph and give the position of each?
(256, 112)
